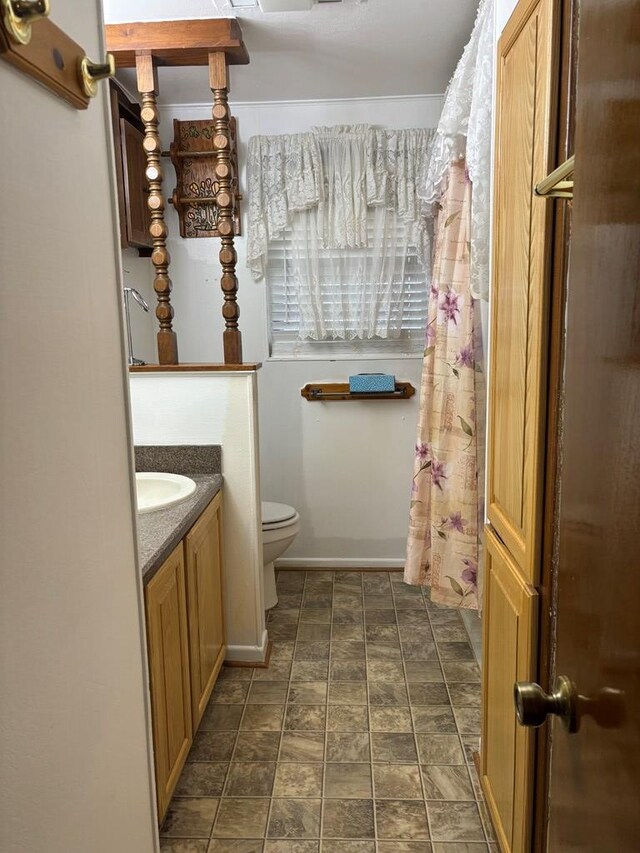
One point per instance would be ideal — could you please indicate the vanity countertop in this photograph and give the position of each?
(159, 532)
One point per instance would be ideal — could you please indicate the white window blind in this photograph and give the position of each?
(408, 308)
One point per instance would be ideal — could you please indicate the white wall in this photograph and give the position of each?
(346, 467)
(217, 408)
(503, 11)
(75, 773)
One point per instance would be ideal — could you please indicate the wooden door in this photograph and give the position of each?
(527, 84)
(134, 163)
(595, 773)
(203, 549)
(509, 643)
(169, 674)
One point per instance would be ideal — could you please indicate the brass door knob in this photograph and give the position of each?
(19, 15)
(533, 705)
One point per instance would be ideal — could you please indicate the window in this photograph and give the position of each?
(325, 303)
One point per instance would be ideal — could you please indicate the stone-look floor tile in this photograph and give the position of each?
(417, 650)
(406, 819)
(295, 818)
(347, 631)
(310, 670)
(387, 693)
(381, 634)
(434, 719)
(314, 632)
(311, 651)
(183, 845)
(329, 846)
(348, 670)
(280, 617)
(463, 671)
(446, 783)
(297, 846)
(220, 718)
(257, 746)
(386, 719)
(316, 600)
(384, 651)
(230, 693)
(412, 617)
(415, 633)
(471, 745)
(386, 616)
(348, 747)
(235, 673)
(423, 671)
(305, 718)
(347, 650)
(348, 578)
(248, 779)
(378, 601)
(347, 617)
(281, 652)
(450, 633)
(320, 616)
(455, 821)
(212, 746)
(273, 672)
(348, 718)
(345, 599)
(302, 746)
(459, 847)
(283, 631)
(393, 748)
(468, 720)
(403, 847)
(190, 818)
(428, 694)
(410, 602)
(241, 818)
(308, 693)
(456, 651)
(268, 693)
(347, 693)
(486, 821)
(318, 576)
(465, 695)
(385, 670)
(262, 718)
(202, 779)
(298, 780)
(288, 598)
(440, 749)
(348, 819)
(376, 582)
(348, 781)
(397, 782)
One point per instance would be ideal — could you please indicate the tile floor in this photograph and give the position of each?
(356, 739)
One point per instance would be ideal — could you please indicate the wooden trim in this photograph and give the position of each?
(177, 42)
(194, 368)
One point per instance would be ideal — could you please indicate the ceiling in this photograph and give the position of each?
(336, 50)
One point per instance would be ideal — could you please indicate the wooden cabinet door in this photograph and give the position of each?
(169, 674)
(527, 82)
(509, 643)
(203, 549)
(134, 163)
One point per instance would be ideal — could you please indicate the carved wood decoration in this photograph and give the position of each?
(194, 159)
(219, 83)
(148, 88)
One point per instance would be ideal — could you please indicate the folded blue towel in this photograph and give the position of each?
(372, 383)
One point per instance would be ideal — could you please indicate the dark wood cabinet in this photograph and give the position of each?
(128, 133)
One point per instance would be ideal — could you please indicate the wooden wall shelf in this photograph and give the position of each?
(331, 392)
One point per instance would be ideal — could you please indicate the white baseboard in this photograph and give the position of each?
(374, 563)
(248, 654)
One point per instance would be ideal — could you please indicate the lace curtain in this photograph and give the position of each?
(464, 131)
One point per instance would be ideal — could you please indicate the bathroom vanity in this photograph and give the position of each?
(180, 551)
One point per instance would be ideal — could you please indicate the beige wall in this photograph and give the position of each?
(74, 767)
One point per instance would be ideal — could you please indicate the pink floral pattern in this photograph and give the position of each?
(446, 514)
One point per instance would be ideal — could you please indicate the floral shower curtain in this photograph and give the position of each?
(446, 512)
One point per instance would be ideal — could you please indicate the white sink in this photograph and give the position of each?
(159, 491)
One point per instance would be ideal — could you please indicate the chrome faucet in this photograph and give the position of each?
(128, 292)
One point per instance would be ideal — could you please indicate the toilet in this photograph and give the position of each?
(280, 526)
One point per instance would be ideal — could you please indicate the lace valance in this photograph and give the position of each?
(342, 171)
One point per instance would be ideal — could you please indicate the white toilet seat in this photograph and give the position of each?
(276, 516)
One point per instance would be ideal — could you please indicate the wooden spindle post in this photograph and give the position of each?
(219, 84)
(148, 89)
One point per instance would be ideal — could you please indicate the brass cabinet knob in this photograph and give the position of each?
(19, 15)
(92, 72)
(533, 705)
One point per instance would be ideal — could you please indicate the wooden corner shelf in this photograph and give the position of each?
(330, 392)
